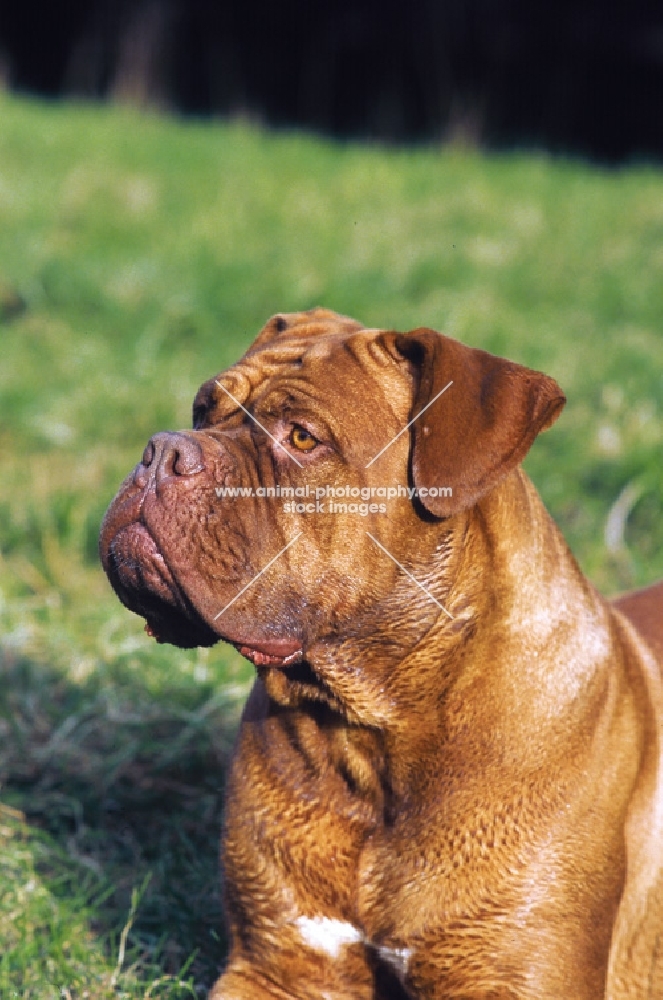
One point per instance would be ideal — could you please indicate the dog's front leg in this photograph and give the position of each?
(293, 837)
(286, 974)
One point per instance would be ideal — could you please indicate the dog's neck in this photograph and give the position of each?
(516, 632)
(514, 683)
(525, 633)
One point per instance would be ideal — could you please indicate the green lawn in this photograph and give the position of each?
(138, 256)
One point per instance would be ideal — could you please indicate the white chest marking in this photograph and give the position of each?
(328, 935)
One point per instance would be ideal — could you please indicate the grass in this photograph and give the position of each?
(140, 255)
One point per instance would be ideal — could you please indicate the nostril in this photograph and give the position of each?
(168, 455)
(183, 456)
(187, 462)
(148, 454)
(175, 455)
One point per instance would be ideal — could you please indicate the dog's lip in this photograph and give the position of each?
(132, 574)
(135, 560)
(273, 652)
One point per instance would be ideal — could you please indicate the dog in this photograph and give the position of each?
(448, 780)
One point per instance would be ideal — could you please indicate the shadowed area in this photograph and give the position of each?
(129, 793)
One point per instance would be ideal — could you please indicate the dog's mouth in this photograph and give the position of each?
(270, 654)
(145, 584)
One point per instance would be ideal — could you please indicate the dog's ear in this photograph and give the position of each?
(474, 416)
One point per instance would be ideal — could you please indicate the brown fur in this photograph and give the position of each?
(449, 798)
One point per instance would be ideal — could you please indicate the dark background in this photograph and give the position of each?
(582, 77)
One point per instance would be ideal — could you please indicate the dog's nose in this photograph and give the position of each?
(168, 455)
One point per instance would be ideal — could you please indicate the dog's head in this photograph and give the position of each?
(314, 502)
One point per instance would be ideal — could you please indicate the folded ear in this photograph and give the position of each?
(470, 435)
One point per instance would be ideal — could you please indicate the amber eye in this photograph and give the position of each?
(301, 439)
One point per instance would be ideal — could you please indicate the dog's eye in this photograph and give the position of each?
(301, 439)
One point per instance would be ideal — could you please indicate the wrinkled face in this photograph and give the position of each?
(284, 522)
(290, 566)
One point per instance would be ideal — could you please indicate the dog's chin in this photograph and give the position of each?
(142, 580)
(169, 625)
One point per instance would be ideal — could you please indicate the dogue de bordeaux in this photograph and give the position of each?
(448, 778)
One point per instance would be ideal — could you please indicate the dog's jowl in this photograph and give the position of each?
(448, 778)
